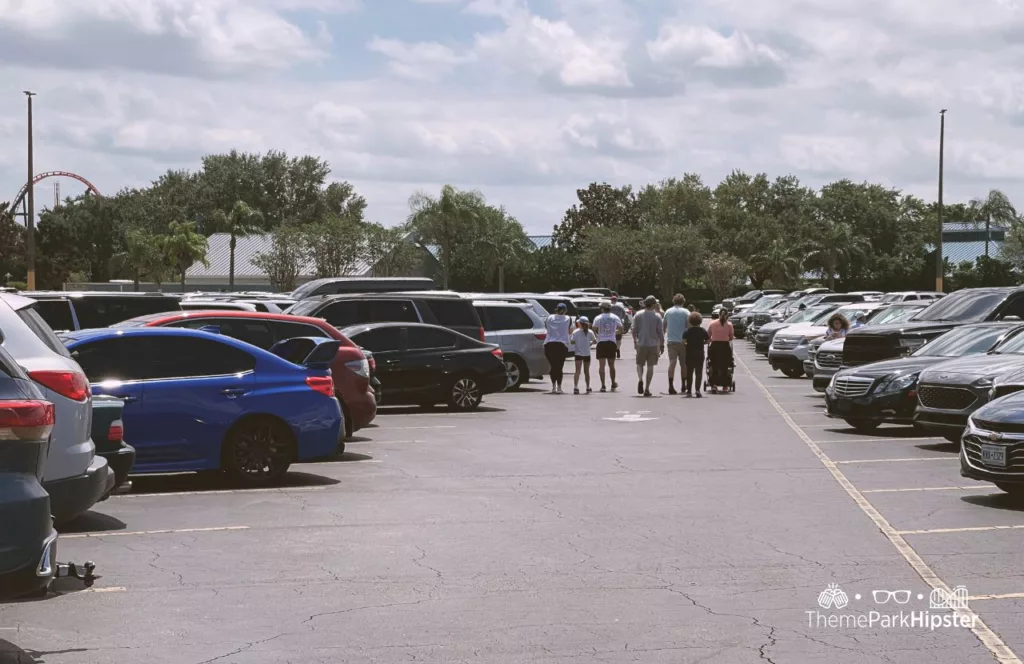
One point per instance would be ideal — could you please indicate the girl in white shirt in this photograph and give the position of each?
(556, 345)
(580, 342)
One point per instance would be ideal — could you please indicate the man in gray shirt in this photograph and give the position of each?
(619, 310)
(649, 339)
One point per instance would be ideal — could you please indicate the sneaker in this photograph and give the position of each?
(672, 390)
(699, 395)
(575, 390)
(647, 393)
(603, 389)
(554, 390)
(615, 386)
(639, 387)
(558, 390)
(689, 395)
(589, 390)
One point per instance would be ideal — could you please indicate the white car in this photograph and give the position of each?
(790, 347)
(73, 475)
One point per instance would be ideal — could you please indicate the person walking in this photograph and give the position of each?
(608, 329)
(556, 345)
(695, 338)
(677, 319)
(649, 339)
(721, 333)
(580, 342)
(619, 310)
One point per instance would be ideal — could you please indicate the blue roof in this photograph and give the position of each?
(80, 336)
(540, 241)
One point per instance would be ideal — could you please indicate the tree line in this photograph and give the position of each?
(673, 235)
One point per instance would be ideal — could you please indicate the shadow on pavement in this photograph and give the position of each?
(944, 446)
(419, 410)
(348, 456)
(92, 522)
(12, 654)
(154, 484)
(999, 501)
(887, 433)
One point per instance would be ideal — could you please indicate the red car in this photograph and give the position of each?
(351, 370)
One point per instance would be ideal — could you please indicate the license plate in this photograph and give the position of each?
(993, 455)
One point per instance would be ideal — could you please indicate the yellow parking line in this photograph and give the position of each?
(950, 458)
(972, 529)
(111, 589)
(151, 532)
(975, 598)
(862, 439)
(925, 488)
(983, 632)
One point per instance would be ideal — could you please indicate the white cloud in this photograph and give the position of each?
(526, 99)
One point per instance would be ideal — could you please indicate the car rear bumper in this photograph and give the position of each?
(26, 532)
(319, 432)
(492, 383)
(120, 462)
(361, 407)
(33, 575)
(73, 496)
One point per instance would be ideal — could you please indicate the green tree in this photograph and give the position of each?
(143, 256)
(781, 260)
(600, 206)
(390, 251)
(994, 209)
(501, 242)
(12, 246)
(183, 247)
(284, 261)
(444, 221)
(611, 254)
(835, 243)
(675, 252)
(722, 273)
(335, 245)
(240, 221)
(676, 202)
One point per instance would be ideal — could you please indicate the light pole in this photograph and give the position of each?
(939, 264)
(30, 218)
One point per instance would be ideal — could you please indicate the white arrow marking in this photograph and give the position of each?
(630, 417)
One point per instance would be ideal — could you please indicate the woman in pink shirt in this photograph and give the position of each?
(720, 350)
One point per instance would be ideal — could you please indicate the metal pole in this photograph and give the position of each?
(939, 264)
(30, 217)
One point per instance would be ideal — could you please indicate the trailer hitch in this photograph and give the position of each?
(70, 570)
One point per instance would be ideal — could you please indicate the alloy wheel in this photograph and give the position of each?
(465, 394)
(512, 370)
(260, 453)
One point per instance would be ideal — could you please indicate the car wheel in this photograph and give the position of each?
(464, 394)
(258, 451)
(518, 372)
(864, 426)
(350, 426)
(792, 372)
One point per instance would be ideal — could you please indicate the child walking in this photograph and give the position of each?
(582, 339)
(695, 338)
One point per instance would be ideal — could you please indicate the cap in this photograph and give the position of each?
(561, 307)
(606, 305)
(584, 319)
(649, 300)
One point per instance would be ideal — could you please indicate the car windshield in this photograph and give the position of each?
(849, 313)
(892, 297)
(892, 315)
(962, 341)
(962, 307)
(1012, 346)
(808, 315)
(764, 304)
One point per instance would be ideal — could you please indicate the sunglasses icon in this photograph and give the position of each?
(898, 596)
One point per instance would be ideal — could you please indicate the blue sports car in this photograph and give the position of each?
(198, 401)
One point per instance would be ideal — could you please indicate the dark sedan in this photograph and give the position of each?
(992, 448)
(426, 364)
(948, 393)
(886, 392)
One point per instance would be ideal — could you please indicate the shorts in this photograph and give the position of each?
(647, 355)
(584, 361)
(606, 350)
(675, 351)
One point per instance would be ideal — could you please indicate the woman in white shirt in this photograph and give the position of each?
(580, 342)
(556, 346)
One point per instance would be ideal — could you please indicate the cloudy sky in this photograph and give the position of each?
(525, 100)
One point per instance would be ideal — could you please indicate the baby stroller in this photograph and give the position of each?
(716, 376)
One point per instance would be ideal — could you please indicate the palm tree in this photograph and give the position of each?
(241, 221)
(837, 243)
(184, 246)
(995, 208)
(502, 241)
(143, 255)
(779, 260)
(441, 220)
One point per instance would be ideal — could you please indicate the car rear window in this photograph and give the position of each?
(505, 318)
(454, 312)
(56, 313)
(101, 311)
(45, 333)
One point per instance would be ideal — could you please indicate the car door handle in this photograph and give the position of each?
(233, 392)
(128, 399)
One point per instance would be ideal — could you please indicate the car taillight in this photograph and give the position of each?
(25, 420)
(483, 337)
(542, 336)
(498, 354)
(359, 368)
(322, 384)
(115, 433)
(70, 384)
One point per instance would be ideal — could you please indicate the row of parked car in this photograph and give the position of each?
(245, 391)
(951, 366)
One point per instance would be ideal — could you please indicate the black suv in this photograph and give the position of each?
(70, 311)
(970, 305)
(447, 310)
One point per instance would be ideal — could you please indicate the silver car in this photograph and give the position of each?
(73, 475)
(520, 333)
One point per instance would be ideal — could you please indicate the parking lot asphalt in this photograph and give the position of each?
(555, 528)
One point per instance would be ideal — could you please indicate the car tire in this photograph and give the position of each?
(258, 451)
(350, 426)
(518, 372)
(864, 426)
(792, 372)
(464, 394)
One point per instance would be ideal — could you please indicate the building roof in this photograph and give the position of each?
(540, 241)
(218, 254)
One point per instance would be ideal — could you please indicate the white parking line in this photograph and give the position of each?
(983, 632)
(925, 488)
(111, 589)
(381, 442)
(803, 412)
(975, 598)
(151, 532)
(346, 463)
(892, 460)
(219, 492)
(971, 529)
